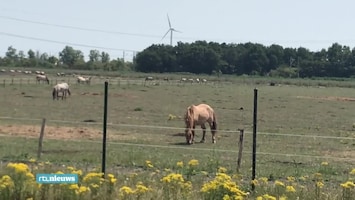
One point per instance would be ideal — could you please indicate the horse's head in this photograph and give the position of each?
(189, 136)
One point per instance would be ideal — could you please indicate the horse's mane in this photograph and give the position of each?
(189, 118)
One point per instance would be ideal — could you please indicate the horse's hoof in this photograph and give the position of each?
(202, 141)
(214, 142)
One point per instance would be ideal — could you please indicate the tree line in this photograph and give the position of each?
(248, 59)
(68, 58)
(203, 57)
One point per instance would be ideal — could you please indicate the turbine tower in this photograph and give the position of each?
(171, 30)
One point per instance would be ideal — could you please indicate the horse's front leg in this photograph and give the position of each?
(203, 133)
(193, 134)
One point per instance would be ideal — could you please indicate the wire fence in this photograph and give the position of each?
(313, 136)
(6, 81)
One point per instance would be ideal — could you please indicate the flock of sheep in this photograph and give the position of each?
(182, 80)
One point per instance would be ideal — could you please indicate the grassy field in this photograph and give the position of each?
(298, 126)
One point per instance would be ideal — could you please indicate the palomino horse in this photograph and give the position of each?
(81, 79)
(60, 87)
(198, 116)
(42, 78)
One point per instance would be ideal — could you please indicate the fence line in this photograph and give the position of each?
(201, 149)
(96, 81)
(178, 128)
(111, 124)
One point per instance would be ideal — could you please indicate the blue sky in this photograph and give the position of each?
(124, 27)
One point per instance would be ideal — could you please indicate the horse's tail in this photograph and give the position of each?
(214, 122)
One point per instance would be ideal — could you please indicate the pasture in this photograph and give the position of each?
(298, 126)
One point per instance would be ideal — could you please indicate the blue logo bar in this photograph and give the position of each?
(56, 178)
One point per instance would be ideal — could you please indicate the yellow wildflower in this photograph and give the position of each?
(193, 162)
(263, 180)
(93, 177)
(29, 175)
(324, 164)
(78, 172)
(132, 175)
(279, 183)
(269, 197)
(204, 173)
(74, 187)
(82, 189)
(180, 164)
(6, 182)
(19, 167)
(113, 180)
(291, 179)
(94, 185)
(70, 168)
(125, 190)
(290, 188)
(141, 189)
(303, 178)
(149, 164)
(348, 184)
(352, 172)
(319, 184)
(32, 160)
(227, 197)
(222, 170)
(255, 182)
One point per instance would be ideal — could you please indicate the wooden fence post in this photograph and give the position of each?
(39, 152)
(240, 153)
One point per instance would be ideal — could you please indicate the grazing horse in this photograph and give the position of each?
(60, 87)
(81, 79)
(198, 116)
(42, 78)
(149, 78)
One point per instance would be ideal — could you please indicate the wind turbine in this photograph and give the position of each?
(171, 30)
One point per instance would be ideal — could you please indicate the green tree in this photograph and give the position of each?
(94, 56)
(72, 58)
(105, 57)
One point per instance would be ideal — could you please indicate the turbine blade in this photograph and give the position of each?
(169, 21)
(176, 30)
(165, 34)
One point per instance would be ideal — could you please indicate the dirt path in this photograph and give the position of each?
(51, 132)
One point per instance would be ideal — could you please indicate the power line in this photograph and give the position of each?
(65, 43)
(89, 29)
(80, 28)
(156, 36)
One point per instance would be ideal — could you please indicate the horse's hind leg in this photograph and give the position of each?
(203, 133)
(213, 131)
